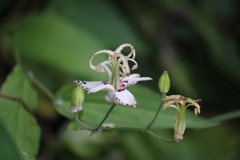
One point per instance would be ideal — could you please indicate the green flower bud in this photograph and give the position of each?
(164, 82)
(77, 99)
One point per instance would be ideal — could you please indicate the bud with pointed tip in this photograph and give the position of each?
(164, 82)
(77, 98)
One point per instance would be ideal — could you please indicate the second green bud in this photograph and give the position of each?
(164, 82)
(77, 99)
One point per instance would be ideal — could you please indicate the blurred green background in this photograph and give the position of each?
(196, 41)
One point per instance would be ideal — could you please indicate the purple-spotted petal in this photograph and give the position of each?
(109, 96)
(94, 86)
(123, 97)
(103, 86)
(132, 79)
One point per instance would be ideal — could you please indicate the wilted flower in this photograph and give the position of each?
(180, 103)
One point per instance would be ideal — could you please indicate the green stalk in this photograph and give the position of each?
(161, 138)
(156, 115)
(41, 86)
(106, 116)
(82, 124)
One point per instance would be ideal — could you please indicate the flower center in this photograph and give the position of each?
(117, 62)
(115, 78)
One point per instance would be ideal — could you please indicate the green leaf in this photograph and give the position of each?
(102, 20)
(95, 107)
(21, 125)
(62, 103)
(80, 144)
(57, 43)
(8, 148)
(226, 116)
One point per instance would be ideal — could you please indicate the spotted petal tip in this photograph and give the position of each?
(76, 81)
(123, 97)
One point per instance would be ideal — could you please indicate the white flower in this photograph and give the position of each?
(120, 96)
(119, 77)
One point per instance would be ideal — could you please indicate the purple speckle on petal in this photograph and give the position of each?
(120, 90)
(104, 82)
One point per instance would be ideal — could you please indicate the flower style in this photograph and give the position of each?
(118, 71)
(180, 103)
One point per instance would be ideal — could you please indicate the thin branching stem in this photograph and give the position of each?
(105, 117)
(82, 124)
(41, 86)
(20, 100)
(85, 126)
(143, 130)
(161, 138)
(156, 115)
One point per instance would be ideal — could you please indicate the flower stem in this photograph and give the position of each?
(41, 86)
(82, 124)
(154, 118)
(161, 138)
(106, 116)
(140, 130)
(20, 100)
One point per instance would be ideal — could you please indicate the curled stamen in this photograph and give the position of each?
(135, 66)
(123, 64)
(99, 69)
(106, 68)
(132, 52)
(124, 71)
(112, 57)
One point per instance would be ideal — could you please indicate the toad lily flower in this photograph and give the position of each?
(118, 71)
(180, 103)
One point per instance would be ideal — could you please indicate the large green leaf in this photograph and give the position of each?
(101, 19)
(53, 41)
(95, 108)
(21, 125)
(8, 148)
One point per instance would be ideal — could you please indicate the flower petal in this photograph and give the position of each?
(132, 79)
(94, 86)
(106, 68)
(123, 97)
